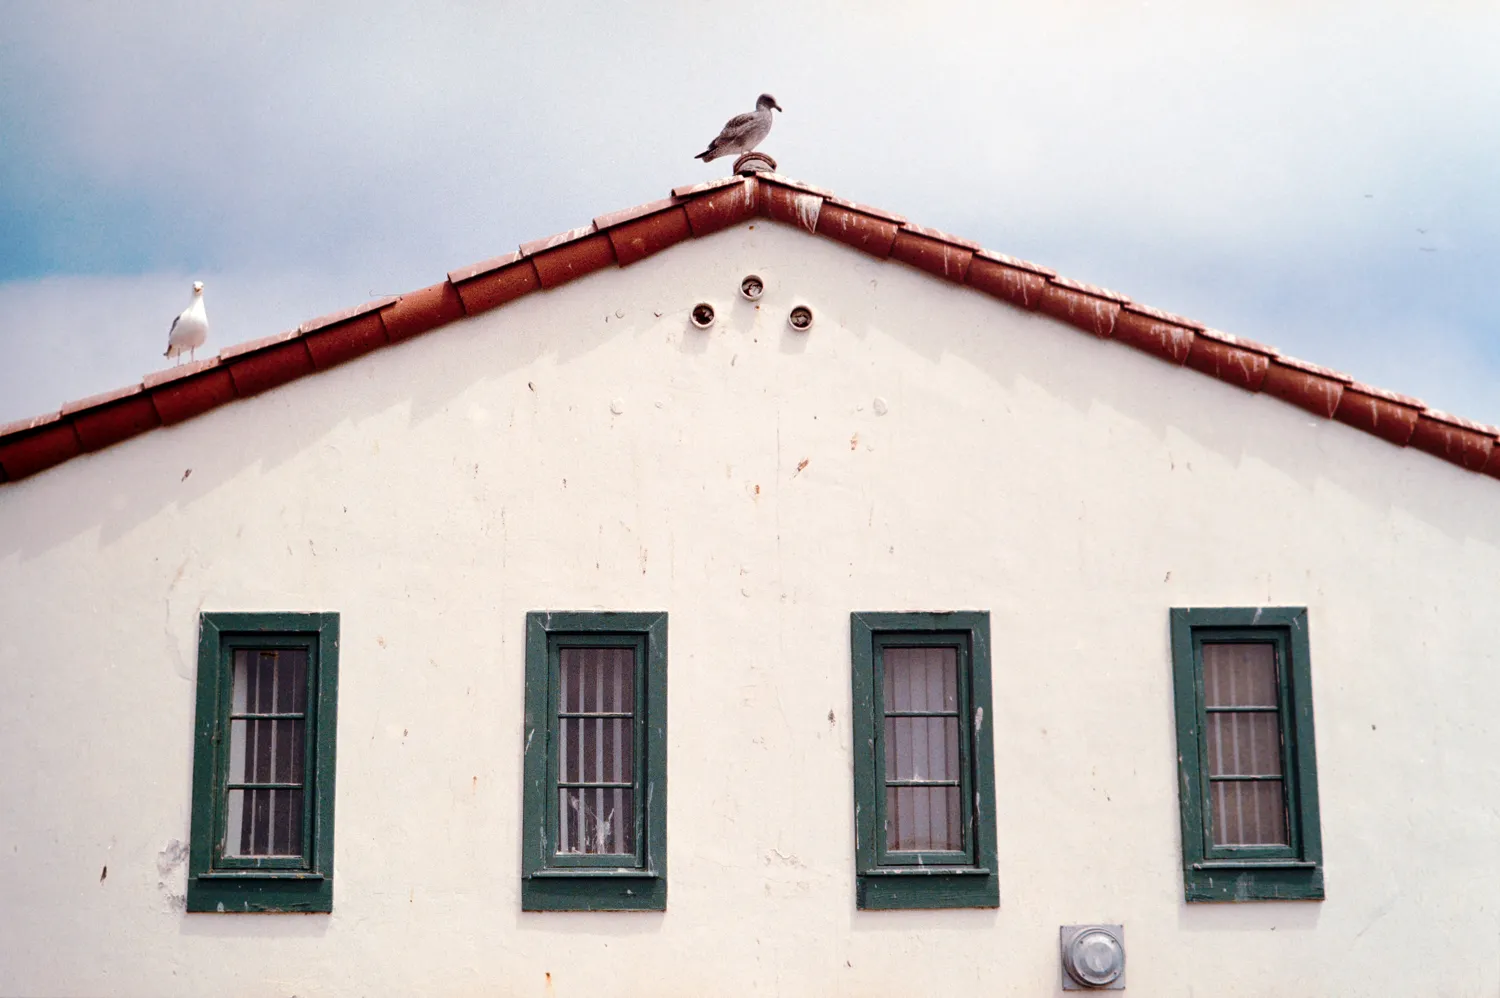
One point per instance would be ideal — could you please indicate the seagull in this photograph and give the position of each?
(190, 329)
(743, 132)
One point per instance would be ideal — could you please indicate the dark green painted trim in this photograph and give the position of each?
(1213, 873)
(304, 884)
(548, 884)
(966, 885)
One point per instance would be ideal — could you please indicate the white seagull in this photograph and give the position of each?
(189, 329)
(743, 132)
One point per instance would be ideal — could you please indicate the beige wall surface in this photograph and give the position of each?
(922, 448)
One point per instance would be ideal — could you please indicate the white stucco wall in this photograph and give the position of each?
(435, 491)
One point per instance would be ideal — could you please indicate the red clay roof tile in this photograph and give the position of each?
(1017, 262)
(560, 239)
(855, 228)
(189, 396)
(102, 399)
(1091, 289)
(344, 315)
(169, 374)
(942, 237)
(119, 419)
(1164, 316)
(559, 263)
(250, 346)
(422, 311)
(18, 426)
(1152, 333)
(496, 287)
(275, 365)
(174, 394)
(474, 270)
(647, 234)
(722, 205)
(1080, 306)
(936, 256)
(1021, 288)
(630, 214)
(691, 190)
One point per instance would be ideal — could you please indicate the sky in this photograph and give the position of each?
(1321, 177)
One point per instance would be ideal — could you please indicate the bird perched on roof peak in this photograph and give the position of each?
(743, 132)
(189, 329)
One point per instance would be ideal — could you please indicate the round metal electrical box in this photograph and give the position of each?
(1093, 957)
(703, 315)
(752, 287)
(800, 319)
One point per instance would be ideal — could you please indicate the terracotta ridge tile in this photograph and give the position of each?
(29, 423)
(344, 315)
(865, 209)
(560, 239)
(250, 346)
(474, 270)
(1387, 394)
(688, 190)
(171, 395)
(798, 185)
(1162, 315)
(941, 236)
(1090, 289)
(630, 214)
(1311, 368)
(103, 398)
(169, 374)
(1016, 262)
(1239, 341)
(1440, 416)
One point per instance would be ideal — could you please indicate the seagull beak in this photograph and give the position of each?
(778, 107)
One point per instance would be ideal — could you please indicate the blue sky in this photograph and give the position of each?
(1321, 177)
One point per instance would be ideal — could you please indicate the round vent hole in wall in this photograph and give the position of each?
(801, 319)
(703, 315)
(752, 287)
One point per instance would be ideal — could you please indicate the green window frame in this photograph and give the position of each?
(962, 877)
(1259, 870)
(631, 876)
(294, 721)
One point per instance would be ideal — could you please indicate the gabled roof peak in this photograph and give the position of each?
(624, 237)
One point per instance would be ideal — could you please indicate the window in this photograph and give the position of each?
(263, 750)
(594, 835)
(1248, 779)
(924, 767)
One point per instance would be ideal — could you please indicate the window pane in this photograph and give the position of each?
(596, 750)
(925, 819)
(270, 680)
(266, 751)
(1244, 745)
(921, 748)
(1249, 813)
(597, 680)
(264, 823)
(1239, 675)
(596, 820)
(921, 679)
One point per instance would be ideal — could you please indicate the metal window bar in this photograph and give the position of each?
(922, 731)
(1246, 765)
(265, 791)
(596, 784)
